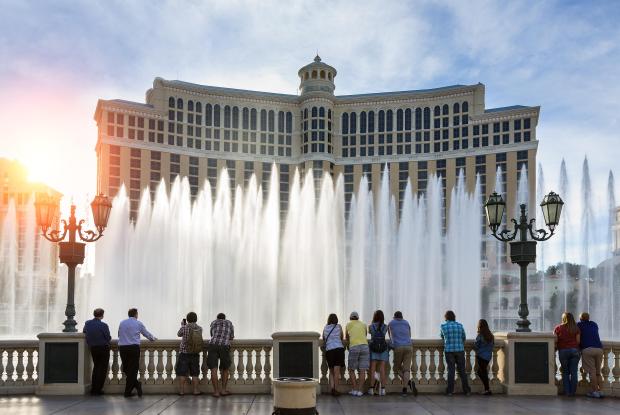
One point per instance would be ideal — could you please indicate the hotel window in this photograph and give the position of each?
(348, 187)
(403, 181)
(212, 173)
(284, 189)
(193, 175)
(171, 102)
(456, 108)
(422, 177)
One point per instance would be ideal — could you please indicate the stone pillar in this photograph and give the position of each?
(296, 354)
(527, 363)
(64, 366)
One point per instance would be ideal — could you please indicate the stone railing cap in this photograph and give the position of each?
(296, 335)
(522, 335)
(61, 335)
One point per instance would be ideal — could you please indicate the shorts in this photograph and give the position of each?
(591, 361)
(402, 359)
(359, 357)
(384, 357)
(335, 357)
(188, 364)
(218, 352)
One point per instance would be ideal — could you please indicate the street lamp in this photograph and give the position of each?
(523, 252)
(71, 252)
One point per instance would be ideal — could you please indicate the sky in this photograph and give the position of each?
(57, 58)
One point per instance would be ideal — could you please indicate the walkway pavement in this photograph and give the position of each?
(327, 405)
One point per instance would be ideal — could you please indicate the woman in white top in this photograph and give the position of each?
(334, 351)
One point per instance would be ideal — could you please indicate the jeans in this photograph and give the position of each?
(483, 371)
(458, 359)
(101, 363)
(569, 359)
(130, 358)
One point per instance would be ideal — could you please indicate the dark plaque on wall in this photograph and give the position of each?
(531, 362)
(61, 362)
(296, 359)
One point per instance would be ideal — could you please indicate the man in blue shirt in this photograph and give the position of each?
(98, 340)
(129, 332)
(453, 336)
(591, 353)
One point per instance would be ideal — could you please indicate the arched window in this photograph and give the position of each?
(322, 112)
(445, 109)
(216, 115)
(345, 123)
(465, 107)
(427, 118)
(306, 75)
(179, 103)
(456, 108)
(253, 119)
(263, 120)
(381, 121)
(418, 118)
(329, 76)
(329, 114)
(353, 123)
(190, 105)
(363, 122)
(305, 113)
(322, 74)
(408, 119)
(272, 120)
(246, 118)
(208, 115)
(371, 121)
(437, 111)
(390, 120)
(314, 111)
(198, 107)
(289, 122)
(226, 116)
(235, 117)
(171, 102)
(281, 121)
(314, 74)
(399, 120)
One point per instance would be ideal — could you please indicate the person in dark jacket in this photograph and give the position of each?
(484, 353)
(98, 340)
(591, 353)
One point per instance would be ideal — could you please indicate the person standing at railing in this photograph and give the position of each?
(334, 351)
(188, 359)
(98, 339)
(567, 338)
(379, 351)
(222, 333)
(453, 335)
(359, 354)
(591, 354)
(484, 353)
(400, 336)
(129, 332)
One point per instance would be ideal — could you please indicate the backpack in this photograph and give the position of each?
(377, 341)
(194, 340)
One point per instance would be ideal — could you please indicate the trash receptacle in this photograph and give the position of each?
(294, 396)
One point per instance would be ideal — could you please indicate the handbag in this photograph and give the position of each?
(323, 346)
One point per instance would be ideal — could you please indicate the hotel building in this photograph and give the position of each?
(197, 130)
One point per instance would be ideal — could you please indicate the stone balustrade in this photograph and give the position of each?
(251, 368)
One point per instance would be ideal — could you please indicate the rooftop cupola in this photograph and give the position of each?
(317, 77)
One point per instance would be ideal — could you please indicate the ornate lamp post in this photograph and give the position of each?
(71, 252)
(523, 251)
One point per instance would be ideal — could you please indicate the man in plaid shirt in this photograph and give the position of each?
(453, 336)
(222, 333)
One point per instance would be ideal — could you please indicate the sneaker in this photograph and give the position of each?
(487, 393)
(371, 391)
(595, 395)
(359, 393)
(353, 392)
(382, 392)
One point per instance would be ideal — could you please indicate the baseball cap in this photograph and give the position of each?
(354, 315)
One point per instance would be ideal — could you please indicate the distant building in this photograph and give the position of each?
(28, 263)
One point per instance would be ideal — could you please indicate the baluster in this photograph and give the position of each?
(268, 364)
(142, 365)
(414, 365)
(442, 368)
(249, 366)
(258, 367)
(20, 366)
(169, 366)
(240, 367)
(495, 368)
(204, 369)
(605, 368)
(467, 364)
(557, 371)
(432, 368)
(10, 367)
(2, 382)
(151, 366)
(30, 367)
(423, 366)
(616, 370)
(388, 371)
(324, 369)
(116, 371)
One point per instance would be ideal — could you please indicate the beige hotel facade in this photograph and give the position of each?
(197, 130)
